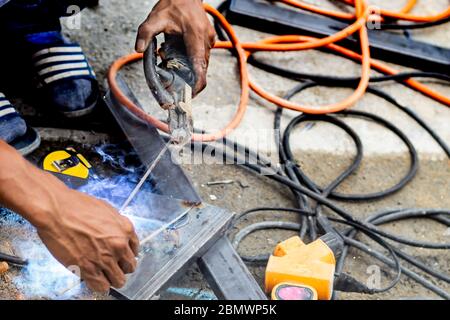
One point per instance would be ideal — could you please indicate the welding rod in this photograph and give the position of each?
(147, 239)
(164, 227)
(131, 197)
(145, 177)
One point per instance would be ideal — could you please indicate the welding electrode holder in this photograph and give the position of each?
(171, 81)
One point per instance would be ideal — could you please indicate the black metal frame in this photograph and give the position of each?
(392, 47)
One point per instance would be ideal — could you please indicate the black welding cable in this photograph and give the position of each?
(397, 252)
(319, 198)
(302, 201)
(243, 150)
(289, 161)
(414, 158)
(13, 260)
(413, 26)
(404, 214)
(290, 166)
(355, 197)
(223, 7)
(413, 275)
(244, 232)
(262, 209)
(413, 115)
(384, 218)
(287, 156)
(288, 183)
(328, 203)
(397, 215)
(402, 240)
(422, 266)
(341, 81)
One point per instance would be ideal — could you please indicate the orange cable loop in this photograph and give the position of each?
(292, 43)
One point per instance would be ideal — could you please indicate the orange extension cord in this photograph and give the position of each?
(293, 43)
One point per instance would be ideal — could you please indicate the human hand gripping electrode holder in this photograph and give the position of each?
(171, 84)
(299, 271)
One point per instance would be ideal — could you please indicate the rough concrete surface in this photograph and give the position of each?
(109, 31)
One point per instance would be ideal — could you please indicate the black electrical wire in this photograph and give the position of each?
(302, 177)
(224, 6)
(275, 176)
(353, 197)
(311, 217)
(339, 81)
(334, 81)
(413, 26)
(281, 179)
(13, 260)
(391, 216)
(379, 93)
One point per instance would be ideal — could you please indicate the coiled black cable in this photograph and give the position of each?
(310, 198)
(359, 245)
(13, 260)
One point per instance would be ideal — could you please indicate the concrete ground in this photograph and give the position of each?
(108, 32)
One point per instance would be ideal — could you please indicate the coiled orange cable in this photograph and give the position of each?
(403, 14)
(245, 86)
(292, 43)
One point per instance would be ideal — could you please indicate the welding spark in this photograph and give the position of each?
(44, 277)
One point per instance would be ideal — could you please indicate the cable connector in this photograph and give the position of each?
(347, 283)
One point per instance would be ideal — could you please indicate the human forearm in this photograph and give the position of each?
(79, 230)
(25, 189)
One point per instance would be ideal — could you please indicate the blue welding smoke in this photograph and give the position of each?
(46, 278)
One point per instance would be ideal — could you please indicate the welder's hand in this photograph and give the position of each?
(186, 18)
(77, 229)
(88, 233)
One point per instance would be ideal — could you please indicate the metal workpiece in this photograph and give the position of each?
(199, 234)
(227, 275)
(168, 178)
(174, 250)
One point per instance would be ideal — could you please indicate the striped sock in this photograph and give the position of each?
(63, 69)
(12, 125)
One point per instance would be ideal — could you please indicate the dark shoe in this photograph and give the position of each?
(65, 80)
(14, 130)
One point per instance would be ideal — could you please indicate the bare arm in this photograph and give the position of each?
(77, 229)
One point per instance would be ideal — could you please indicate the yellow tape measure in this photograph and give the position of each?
(67, 162)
